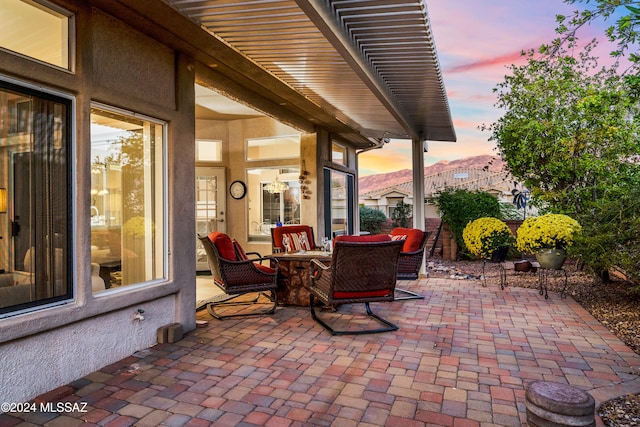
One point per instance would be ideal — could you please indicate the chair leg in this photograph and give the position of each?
(271, 307)
(389, 326)
(409, 295)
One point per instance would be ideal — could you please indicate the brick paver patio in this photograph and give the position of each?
(462, 357)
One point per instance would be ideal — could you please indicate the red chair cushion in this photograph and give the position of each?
(264, 268)
(365, 238)
(224, 244)
(413, 240)
(362, 294)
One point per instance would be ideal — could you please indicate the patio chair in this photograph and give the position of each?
(237, 275)
(362, 270)
(293, 232)
(411, 256)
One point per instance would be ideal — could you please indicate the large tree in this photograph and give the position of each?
(568, 130)
(624, 31)
(623, 17)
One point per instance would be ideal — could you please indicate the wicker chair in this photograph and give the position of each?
(411, 258)
(238, 275)
(360, 272)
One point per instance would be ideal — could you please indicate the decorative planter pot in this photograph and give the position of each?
(500, 254)
(551, 258)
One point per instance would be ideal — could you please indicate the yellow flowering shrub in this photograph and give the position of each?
(484, 235)
(552, 231)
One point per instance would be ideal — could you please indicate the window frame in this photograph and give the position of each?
(71, 37)
(164, 277)
(260, 235)
(350, 206)
(69, 101)
(339, 148)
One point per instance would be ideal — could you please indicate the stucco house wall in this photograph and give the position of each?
(121, 67)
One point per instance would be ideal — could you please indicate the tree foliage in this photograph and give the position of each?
(459, 207)
(624, 31)
(371, 219)
(568, 129)
(401, 214)
(571, 133)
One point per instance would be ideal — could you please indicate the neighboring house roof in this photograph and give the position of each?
(500, 182)
(369, 65)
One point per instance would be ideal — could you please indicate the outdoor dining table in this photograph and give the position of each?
(293, 275)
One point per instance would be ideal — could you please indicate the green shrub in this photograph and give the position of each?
(401, 214)
(459, 207)
(371, 219)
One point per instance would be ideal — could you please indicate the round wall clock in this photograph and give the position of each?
(237, 189)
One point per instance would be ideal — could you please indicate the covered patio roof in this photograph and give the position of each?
(368, 67)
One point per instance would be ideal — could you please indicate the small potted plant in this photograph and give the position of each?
(548, 237)
(488, 238)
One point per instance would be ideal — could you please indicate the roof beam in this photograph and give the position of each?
(326, 22)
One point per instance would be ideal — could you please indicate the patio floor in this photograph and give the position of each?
(462, 357)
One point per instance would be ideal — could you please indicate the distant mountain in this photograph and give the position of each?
(383, 180)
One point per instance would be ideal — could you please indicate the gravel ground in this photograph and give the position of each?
(613, 304)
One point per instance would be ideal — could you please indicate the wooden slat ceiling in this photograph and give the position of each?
(371, 63)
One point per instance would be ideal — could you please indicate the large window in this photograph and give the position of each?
(274, 198)
(208, 150)
(276, 147)
(35, 198)
(338, 203)
(127, 198)
(37, 29)
(338, 154)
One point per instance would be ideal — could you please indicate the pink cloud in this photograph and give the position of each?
(510, 58)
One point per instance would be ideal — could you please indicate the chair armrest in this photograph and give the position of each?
(251, 263)
(317, 268)
(412, 253)
(256, 257)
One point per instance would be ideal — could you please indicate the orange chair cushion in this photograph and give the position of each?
(361, 294)
(242, 256)
(365, 238)
(413, 239)
(224, 244)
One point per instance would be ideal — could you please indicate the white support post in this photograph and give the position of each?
(417, 158)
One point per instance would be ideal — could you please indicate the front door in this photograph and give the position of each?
(210, 207)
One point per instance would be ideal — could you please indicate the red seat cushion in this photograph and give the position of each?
(413, 240)
(365, 238)
(362, 294)
(264, 268)
(224, 244)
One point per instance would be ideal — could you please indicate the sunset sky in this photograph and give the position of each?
(476, 40)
